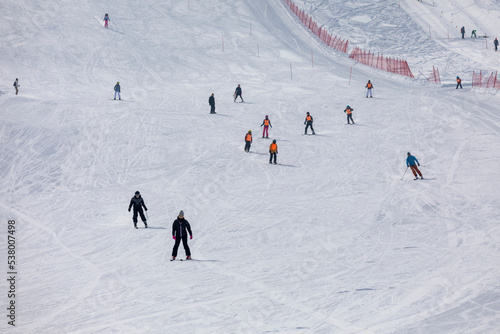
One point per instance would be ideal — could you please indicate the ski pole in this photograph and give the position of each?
(404, 172)
(147, 217)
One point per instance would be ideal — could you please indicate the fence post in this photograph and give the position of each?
(291, 71)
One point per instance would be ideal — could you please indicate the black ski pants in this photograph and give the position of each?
(184, 239)
(247, 146)
(138, 211)
(459, 84)
(212, 108)
(271, 157)
(309, 125)
(349, 117)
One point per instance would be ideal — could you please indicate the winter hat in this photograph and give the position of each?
(137, 192)
(181, 214)
(274, 141)
(266, 116)
(409, 153)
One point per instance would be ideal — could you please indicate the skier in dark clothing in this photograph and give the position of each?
(495, 42)
(179, 233)
(462, 30)
(16, 85)
(211, 102)
(349, 110)
(237, 93)
(309, 123)
(117, 90)
(138, 204)
(412, 162)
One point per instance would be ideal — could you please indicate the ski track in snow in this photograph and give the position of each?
(330, 240)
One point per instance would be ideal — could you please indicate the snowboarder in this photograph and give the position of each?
(211, 102)
(369, 87)
(117, 90)
(349, 110)
(248, 141)
(273, 151)
(106, 19)
(473, 34)
(462, 30)
(266, 123)
(412, 162)
(179, 234)
(237, 93)
(16, 85)
(309, 123)
(459, 82)
(495, 42)
(138, 203)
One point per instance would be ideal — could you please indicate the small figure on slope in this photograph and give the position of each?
(462, 31)
(473, 34)
(117, 90)
(138, 203)
(309, 123)
(495, 42)
(248, 141)
(266, 123)
(106, 20)
(17, 85)
(412, 162)
(180, 229)
(459, 82)
(237, 93)
(211, 102)
(273, 152)
(369, 87)
(349, 110)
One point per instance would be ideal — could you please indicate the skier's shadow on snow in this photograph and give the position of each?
(118, 32)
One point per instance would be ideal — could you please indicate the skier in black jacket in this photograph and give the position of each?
(138, 204)
(237, 92)
(179, 233)
(211, 102)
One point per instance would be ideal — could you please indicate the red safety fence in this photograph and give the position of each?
(435, 76)
(480, 80)
(397, 66)
(334, 42)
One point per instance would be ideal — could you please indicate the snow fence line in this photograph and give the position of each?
(397, 66)
(334, 42)
(480, 80)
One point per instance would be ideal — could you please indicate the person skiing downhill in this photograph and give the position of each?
(248, 141)
(266, 123)
(349, 110)
(459, 82)
(462, 31)
(180, 230)
(309, 123)
(117, 90)
(412, 162)
(138, 203)
(106, 20)
(495, 42)
(237, 93)
(16, 85)
(211, 102)
(473, 34)
(369, 87)
(273, 151)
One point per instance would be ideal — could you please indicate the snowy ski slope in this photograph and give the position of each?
(332, 240)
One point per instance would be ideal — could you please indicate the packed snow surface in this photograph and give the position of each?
(336, 238)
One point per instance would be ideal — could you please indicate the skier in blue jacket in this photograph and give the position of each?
(412, 162)
(117, 90)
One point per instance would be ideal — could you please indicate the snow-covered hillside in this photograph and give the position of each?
(334, 239)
